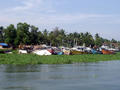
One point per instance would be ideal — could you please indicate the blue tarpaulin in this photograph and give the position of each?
(4, 44)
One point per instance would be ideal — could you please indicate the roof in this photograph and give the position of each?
(3, 44)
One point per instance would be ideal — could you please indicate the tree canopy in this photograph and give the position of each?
(27, 34)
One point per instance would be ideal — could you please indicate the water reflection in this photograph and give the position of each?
(18, 88)
(20, 68)
(87, 76)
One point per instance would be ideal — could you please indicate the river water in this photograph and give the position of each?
(83, 76)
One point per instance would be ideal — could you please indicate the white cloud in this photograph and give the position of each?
(35, 18)
(67, 18)
(26, 5)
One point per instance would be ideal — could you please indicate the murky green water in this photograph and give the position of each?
(89, 76)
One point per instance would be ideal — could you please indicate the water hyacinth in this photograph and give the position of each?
(23, 59)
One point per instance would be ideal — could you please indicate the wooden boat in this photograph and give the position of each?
(5, 50)
(107, 51)
(75, 52)
(67, 52)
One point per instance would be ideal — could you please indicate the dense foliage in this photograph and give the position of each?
(27, 34)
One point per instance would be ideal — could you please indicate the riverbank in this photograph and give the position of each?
(23, 59)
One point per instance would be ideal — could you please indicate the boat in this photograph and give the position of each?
(88, 49)
(110, 48)
(60, 53)
(57, 51)
(75, 52)
(107, 51)
(95, 51)
(42, 52)
(67, 52)
(22, 51)
(78, 50)
(51, 50)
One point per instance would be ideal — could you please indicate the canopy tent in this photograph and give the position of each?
(4, 44)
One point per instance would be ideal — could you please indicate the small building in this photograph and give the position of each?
(111, 45)
(115, 45)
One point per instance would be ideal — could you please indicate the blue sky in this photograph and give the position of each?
(95, 16)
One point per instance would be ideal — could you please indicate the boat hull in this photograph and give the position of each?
(74, 52)
(60, 53)
(107, 52)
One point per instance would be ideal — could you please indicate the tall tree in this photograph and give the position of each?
(34, 35)
(1, 34)
(29, 34)
(113, 41)
(45, 37)
(23, 34)
(88, 39)
(10, 35)
(40, 38)
(98, 40)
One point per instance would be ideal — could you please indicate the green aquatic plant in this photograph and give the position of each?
(23, 59)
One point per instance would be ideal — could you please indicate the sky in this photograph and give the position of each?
(94, 16)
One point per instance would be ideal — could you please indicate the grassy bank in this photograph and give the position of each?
(22, 59)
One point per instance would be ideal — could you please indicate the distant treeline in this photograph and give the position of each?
(27, 34)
